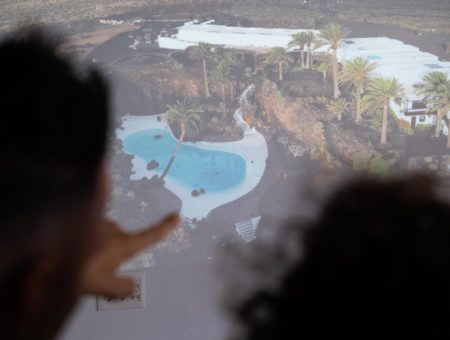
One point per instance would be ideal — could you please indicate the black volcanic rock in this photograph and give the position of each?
(152, 165)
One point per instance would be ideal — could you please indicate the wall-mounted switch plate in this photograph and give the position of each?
(135, 300)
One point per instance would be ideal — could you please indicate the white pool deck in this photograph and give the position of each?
(252, 148)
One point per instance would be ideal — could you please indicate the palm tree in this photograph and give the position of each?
(298, 40)
(280, 57)
(221, 75)
(357, 72)
(338, 106)
(183, 114)
(256, 64)
(234, 74)
(310, 40)
(444, 106)
(379, 94)
(333, 35)
(324, 68)
(434, 90)
(202, 52)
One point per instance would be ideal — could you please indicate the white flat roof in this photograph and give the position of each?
(209, 27)
(394, 58)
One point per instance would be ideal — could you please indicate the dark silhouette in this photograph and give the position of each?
(375, 264)
(54, 241)
(54, 124)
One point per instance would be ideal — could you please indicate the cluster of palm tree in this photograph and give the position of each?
(221, 74)
(304, 42)
(301, 40)
(369, 94)
(184, 113)
(435, 89)
(332, 35)
(338, 107)
(380, 92)
(372, 94)
(280, 57)
(357, 74)
(204, 53)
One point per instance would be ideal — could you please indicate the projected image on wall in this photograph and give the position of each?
(239, 114)
(219, 111)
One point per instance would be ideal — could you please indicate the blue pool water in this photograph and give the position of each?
(193, 167)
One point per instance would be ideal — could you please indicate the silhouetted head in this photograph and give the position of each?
(375, 264)
(54, 124)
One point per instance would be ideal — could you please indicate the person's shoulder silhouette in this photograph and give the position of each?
(375, 264)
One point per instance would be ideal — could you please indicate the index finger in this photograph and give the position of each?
(152, 235)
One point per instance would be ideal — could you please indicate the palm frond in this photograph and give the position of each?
(435, 91)
(380, 92)
(183, 111)
(334, 34)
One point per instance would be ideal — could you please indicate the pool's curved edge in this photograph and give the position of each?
(252, 148)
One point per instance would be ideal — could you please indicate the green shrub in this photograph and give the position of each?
(375, 119)
(423, 127)
(236, 132)
(178, 66)
(279, 95)
(361, 160)
(248, 72)
(297, 69)
(380, 167)
(409, 131)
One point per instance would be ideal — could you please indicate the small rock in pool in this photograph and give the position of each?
(195, 193)
(152, 165)
(157, 136)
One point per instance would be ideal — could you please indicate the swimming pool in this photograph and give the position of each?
(144, 137)
(194, 168)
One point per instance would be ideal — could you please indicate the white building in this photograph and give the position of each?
(398, 60)
(192, 33)
(394, 58)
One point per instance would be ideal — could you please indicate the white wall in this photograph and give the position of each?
(180, 305)
(173, 44)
